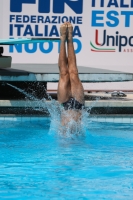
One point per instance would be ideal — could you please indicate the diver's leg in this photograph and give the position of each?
(76, 85)
(64, 88)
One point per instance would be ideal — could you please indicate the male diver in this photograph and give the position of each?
(70, 90)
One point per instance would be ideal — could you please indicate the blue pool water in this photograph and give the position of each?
(38, 164)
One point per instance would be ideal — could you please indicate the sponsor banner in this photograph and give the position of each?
(103, 36)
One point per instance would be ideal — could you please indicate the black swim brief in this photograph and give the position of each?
(72, 103)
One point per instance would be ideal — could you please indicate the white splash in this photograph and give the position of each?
(73, 128)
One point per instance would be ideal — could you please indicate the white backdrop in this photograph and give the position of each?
(120, 61)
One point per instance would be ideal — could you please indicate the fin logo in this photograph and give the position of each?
(45, 5)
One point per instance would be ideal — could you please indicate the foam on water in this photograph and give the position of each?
(72, 128)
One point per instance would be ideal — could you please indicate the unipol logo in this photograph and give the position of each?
(45, 5)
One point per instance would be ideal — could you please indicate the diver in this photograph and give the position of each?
(70, 89)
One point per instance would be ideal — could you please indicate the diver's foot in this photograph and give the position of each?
(63, 31)
(70, 31)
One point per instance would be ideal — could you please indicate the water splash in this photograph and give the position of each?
(72, 128)
(50, 105)
(41, 104)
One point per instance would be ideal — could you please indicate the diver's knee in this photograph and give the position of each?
(74, 76)
(65, 76)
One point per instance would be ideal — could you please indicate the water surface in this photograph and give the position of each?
(36, 163)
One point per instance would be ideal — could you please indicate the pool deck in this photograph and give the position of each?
(101, 104)
(92, 100)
